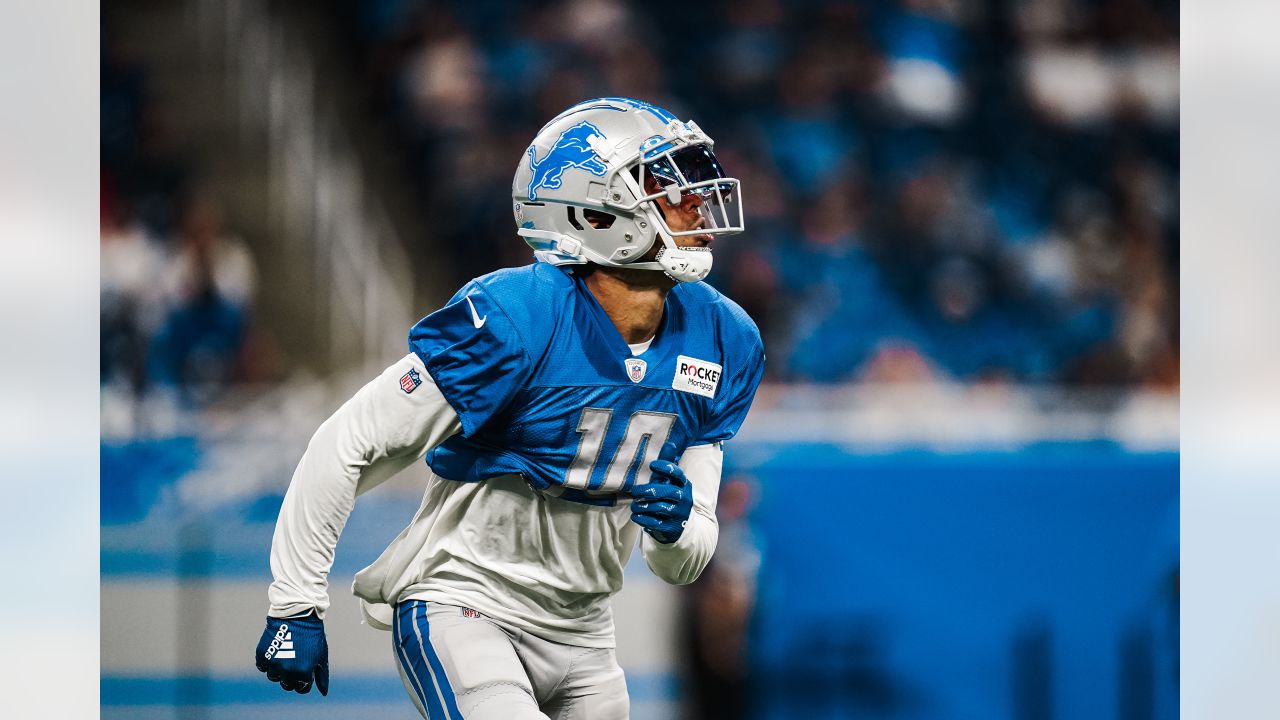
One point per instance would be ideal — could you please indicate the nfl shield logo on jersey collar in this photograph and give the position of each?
(635, 369)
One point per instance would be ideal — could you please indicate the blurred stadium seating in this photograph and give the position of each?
(962, 251)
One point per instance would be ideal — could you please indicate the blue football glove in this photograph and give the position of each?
(662, 506)
(293, 651)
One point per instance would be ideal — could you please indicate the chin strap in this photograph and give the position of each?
(687, 264)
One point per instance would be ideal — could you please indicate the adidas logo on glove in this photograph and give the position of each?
(281, 645)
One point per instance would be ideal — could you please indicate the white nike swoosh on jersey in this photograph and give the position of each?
(475, 316)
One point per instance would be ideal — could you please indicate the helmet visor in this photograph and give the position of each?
(688, 165)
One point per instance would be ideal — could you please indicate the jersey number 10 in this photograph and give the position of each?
(643, 440)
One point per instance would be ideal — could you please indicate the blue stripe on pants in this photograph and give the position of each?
(403, 655)
(424, 635)
(413, 646)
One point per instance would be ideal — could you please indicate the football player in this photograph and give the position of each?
(565, 409)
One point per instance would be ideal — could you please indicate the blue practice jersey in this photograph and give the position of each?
(547, 388)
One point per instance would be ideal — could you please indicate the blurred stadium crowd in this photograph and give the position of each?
(176, 286)
(935, 189)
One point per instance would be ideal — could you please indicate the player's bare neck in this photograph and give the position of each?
(633, 299)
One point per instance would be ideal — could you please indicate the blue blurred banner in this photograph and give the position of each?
(1040, 583)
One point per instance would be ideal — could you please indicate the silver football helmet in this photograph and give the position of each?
(579, 192)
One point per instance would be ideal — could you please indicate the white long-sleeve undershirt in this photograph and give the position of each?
(382, 430)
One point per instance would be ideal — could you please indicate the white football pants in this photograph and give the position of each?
(457, 663)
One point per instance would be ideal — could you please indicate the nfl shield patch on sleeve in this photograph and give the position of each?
(410, 381)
